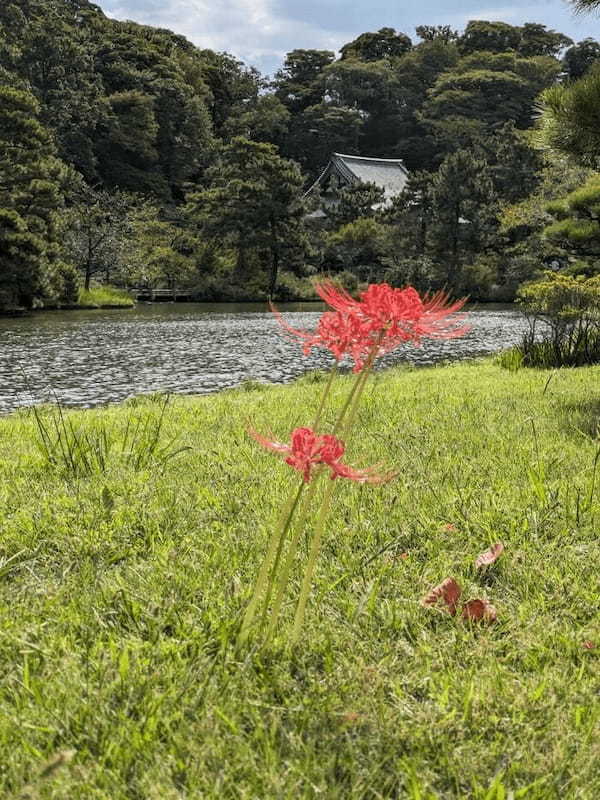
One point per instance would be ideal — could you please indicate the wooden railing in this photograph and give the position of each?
(144, 293)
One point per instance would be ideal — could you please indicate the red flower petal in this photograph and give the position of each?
(277, 447)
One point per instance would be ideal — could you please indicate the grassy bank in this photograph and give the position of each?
(105, 297)
(119, 582)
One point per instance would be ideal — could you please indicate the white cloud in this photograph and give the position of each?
(249, 29)
(261, 32)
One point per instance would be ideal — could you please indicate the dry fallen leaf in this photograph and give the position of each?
(587, 645)
(479, 610)
(448, 591)
(491, 555)
(449, 527)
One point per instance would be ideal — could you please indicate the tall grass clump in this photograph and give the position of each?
(564, 323)
(105, 297)
(83, 452)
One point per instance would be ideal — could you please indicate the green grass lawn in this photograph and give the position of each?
(105, 297)
(120, 582)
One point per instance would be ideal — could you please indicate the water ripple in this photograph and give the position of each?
(89, 358)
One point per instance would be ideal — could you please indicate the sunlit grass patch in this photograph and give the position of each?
(105, 297)
(117, 588)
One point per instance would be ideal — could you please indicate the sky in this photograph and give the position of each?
(261, 32)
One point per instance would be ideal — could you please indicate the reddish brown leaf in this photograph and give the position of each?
(587, 645)
(491, 555)
(479, 610)
(449, 527)
(448, 591)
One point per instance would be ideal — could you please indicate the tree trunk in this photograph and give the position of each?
(240, 267)
(455, 257)
(275, 258)
(88, 265)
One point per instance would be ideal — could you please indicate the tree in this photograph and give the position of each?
(409, 215)
(298, 83)
(515, 166)
(320, 130)
(128, 156)
(255, 202)
(526, 249)
(415, 74)
(482, 92)
(98, 232)
(359, 200)
(586, 5)
(184, 140)
(462, 213)
(230, 83)
(567, 308)
(264, 119)
(579, 58)
(537, 40)
(43, 37)
(437, 33)
(386, 43)
(161, 251)
(497, 37)
(32, 185)
(576, 228)
(570, 122)
(356, 247)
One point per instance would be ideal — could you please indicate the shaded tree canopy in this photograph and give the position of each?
(143, 119)
(386, 43)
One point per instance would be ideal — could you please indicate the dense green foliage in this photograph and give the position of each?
(128, 137)
(564, 322)
(121, 579)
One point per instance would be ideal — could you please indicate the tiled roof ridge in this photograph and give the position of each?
(368, 158)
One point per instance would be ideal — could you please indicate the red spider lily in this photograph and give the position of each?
(341, 334)
(307, 450)
(378, 323)
(402, 314)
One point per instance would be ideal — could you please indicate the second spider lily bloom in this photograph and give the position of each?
(308, 450)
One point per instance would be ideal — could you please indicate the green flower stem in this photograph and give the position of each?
(280, 545)
(325, 395)
(273, 552)
(343, 425)
(283, 578)
(312, 561)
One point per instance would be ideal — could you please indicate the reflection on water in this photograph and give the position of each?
(87, 358)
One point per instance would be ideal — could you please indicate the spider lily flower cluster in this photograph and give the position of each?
(380, 321)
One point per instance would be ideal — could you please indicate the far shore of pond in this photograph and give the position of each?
(29, 312)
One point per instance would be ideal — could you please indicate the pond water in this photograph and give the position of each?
(86, 358)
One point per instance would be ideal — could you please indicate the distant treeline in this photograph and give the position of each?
(130, 156)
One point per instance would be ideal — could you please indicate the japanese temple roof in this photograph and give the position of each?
(389, 174)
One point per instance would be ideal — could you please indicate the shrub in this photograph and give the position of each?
(564, 322)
